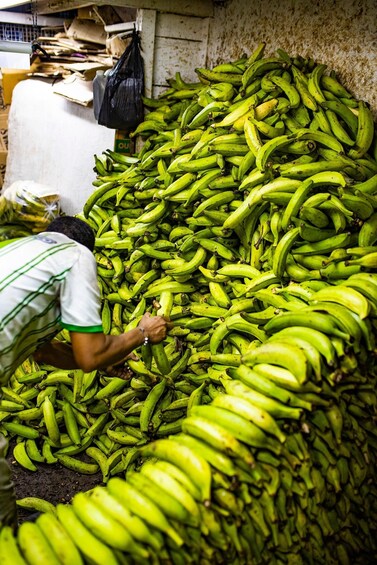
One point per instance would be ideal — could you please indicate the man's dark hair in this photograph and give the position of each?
(76, 229)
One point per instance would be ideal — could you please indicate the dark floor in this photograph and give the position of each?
(54, 483)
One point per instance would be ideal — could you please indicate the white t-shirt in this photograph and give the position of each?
(47, 282)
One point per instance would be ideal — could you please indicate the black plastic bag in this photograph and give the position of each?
(122, 106)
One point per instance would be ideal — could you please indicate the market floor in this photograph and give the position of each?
(54, 483)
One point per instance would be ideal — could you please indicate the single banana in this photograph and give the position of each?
(250, 411)
(289, 90)
(318, 321)
(149, 405)
(107, 529)
(71, 423)
(77, 465)
(191, 265)
(9, 550)
(325, 245)
(281, 376)
(367, 187)
(218, 437)
(89, 545)
(37, 504)
(282, 249)
(264, 155)
(283, 355)
(21, 456)
(365, 131)
(305, 170)
(259, 67)
(312, 354)
(142, 506)
(14, 427)
(331, 84)
(314, 83)
(185, 459)
(101, 459)
(35, 546)
(301, 84)
(345, 113)
(323, 121)
(255, 197)
(270, 405)
(368, 231)
(347, 296)
(133, 523)
(364, 285)
(337, 129)
(59, 539)
(213, 456)
(172, 487)
(33, 451)
(358, 204)
(267, 387)
(214, 76)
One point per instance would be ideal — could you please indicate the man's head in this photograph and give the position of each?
(76, 229)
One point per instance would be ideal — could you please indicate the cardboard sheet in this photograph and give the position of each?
(76, 90)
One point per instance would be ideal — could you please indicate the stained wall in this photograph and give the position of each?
(339, 33)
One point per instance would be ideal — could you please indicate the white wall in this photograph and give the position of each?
(339, 33)
(52, 141)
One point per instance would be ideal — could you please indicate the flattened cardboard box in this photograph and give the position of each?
(75, 90)
(86, 30)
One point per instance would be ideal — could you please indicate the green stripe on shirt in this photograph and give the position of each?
(82, 329)
(11, 277)
(30, 297)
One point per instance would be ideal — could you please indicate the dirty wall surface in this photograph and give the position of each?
(341, 34)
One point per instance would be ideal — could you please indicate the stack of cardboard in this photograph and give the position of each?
(76, 54)
(80, 49)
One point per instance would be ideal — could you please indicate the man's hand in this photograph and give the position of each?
(154, 327)
(121, 370)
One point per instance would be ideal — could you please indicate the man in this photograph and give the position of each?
(49, 282)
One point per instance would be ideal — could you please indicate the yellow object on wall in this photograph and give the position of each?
(11, 77)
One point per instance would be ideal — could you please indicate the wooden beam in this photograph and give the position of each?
(199, 8)
(146, 22)
(27, 19)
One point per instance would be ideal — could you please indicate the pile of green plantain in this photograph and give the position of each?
(249, 435)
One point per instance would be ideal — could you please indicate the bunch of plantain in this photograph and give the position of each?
(248, 436)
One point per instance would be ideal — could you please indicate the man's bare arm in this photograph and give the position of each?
(58, 354)
(98, 351)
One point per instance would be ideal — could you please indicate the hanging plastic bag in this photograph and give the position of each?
(99, 85)
(122, 106)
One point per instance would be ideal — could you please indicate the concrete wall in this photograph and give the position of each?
(52, 141)
(339, 33)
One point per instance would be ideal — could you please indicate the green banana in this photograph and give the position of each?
(282, 249)
(251, 412)
(365, 131)
(217, 436)
(185, 459)
(59, 539)
(347, 296)
(91, 547)
(270, 405)
(321, 322)
(21, 456)
(34, 545)
(281, 354)
(267, 387)
(9, 551)
(173, 487)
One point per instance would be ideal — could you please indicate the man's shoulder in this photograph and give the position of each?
(54, 238)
